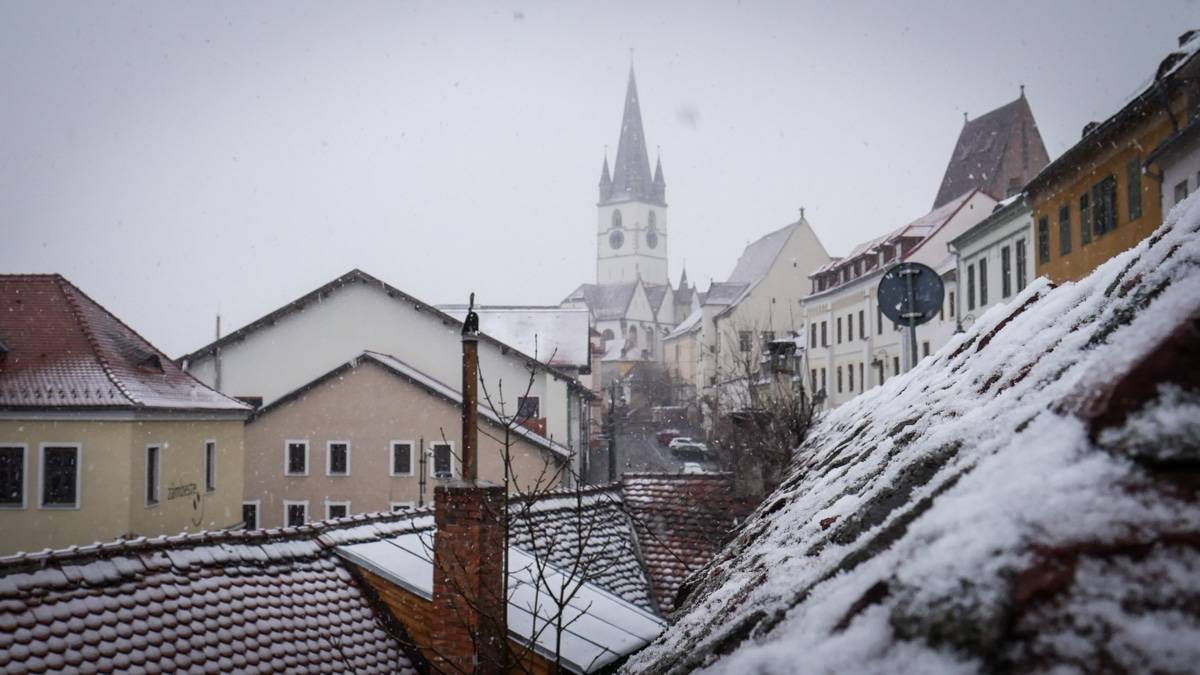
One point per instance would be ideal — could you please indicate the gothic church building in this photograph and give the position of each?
(632, 302)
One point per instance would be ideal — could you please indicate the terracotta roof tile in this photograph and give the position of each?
(682, 521)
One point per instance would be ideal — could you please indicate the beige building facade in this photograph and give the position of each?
(373, 435)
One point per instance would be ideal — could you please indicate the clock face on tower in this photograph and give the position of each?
(616, 239)
(652, 234)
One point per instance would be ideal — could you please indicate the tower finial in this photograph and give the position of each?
(1022, 91)
(964, 117)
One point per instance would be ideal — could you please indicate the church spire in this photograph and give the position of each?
(631, 171)
(660, 184)
(605, 179)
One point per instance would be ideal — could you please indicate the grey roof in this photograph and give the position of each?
(655, 294)
(757, 258)
(724, 293)
(979, 155)
(606, 301)
(631, 171)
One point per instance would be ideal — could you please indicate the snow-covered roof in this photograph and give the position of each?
(64, 351)
(690, 324)
(603, 627)
(758, 256)
(1013, 503)
(262, 601)
(606, 301)
(725, 293)
(555, 335)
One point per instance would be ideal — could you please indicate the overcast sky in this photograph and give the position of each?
(175, 160)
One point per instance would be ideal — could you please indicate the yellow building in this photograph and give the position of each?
(101, 435)
(1101, 197)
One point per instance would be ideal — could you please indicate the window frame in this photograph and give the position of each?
(330, 503)
(78, 447)
(1133, 188)
(1005, 272)
(24, 478)
(257, 504)
(745, 340)
(433, 460)
(402, 506)
(412, 464)
(1021, 262)
(1085, 219)
(1064, 230)
(983, 285)
(537, 403)
(287, 455)
(970, 287)
(1043, 240)
(210, 476)
(329, 458)
(287, 503)
(155, 499)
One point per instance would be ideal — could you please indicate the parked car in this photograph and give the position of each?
(680, 440)
(667, 435)
(693, 467)
(689, 447)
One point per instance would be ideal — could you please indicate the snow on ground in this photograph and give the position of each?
(964, 517)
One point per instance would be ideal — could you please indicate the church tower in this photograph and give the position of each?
(631, 240)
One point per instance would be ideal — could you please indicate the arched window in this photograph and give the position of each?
(616, 218)
(633, 336)
(652, 220)
(608, 334)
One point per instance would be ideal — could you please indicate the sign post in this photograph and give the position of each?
(910, 294)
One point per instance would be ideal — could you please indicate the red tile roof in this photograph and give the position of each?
(682, 521)
(265, 601)
(62, 350)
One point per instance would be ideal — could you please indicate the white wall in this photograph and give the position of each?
(308, 343)
(1183, 164)
(989, 247)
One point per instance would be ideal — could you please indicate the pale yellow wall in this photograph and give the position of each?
(112, 482)
(368, 406)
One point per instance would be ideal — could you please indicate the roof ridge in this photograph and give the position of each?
(85, 327)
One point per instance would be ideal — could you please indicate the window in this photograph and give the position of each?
(951, 304)
(337, 458)
(970, 287)
(12, 476)
(878, 320)
(861, 379)
(396, 507)
(210, 466)
(1020, 265)
(442, 460)
(1064, 229)
(59, 476)
(839, 330)
(250, 515)
(1181, 190)
(839, 379)
(1043, 240)
(295, 461)
(1005, 272)
(1085, 220)
(850, 328)
(616, 218)
(744, 339)
(813, 341)
(983, 300)
(925, 348)
(295, 514)
(608, 335)
(1104, 206)
(152, 458)
(862, 325)
(528, 407)
(768, 336)
(1133, 188)
(336, 510)
(824, 379)
(896, 365)
(402, 458)
(824, 335)
(850, 377)
(813, 385)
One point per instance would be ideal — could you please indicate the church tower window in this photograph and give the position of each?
(616, 218)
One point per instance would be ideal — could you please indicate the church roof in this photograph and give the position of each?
(655, 294)
(631, 172)
(757, 258)
(979, 156)
(606, 301)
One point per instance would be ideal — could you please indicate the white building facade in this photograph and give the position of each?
(851, 345)
(995, 259)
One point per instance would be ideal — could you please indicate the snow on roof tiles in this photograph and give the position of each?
(1015, 502)
(65, 351)
(682, 521)
(271, 601)
(555, 335)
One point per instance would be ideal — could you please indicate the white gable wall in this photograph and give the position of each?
(301, 346)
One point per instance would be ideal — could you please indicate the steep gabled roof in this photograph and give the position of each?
(1021, 501)
(655, 294)
(758, 256)
(981, 158)
(606, 301)
(66, 352)
(724, 293)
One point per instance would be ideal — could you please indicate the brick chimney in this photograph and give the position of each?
(469, 595)
(469, 604)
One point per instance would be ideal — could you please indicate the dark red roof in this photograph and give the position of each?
(63, 350)
(262, 601)
(682, 521)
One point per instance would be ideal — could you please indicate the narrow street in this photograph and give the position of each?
(639, 451)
